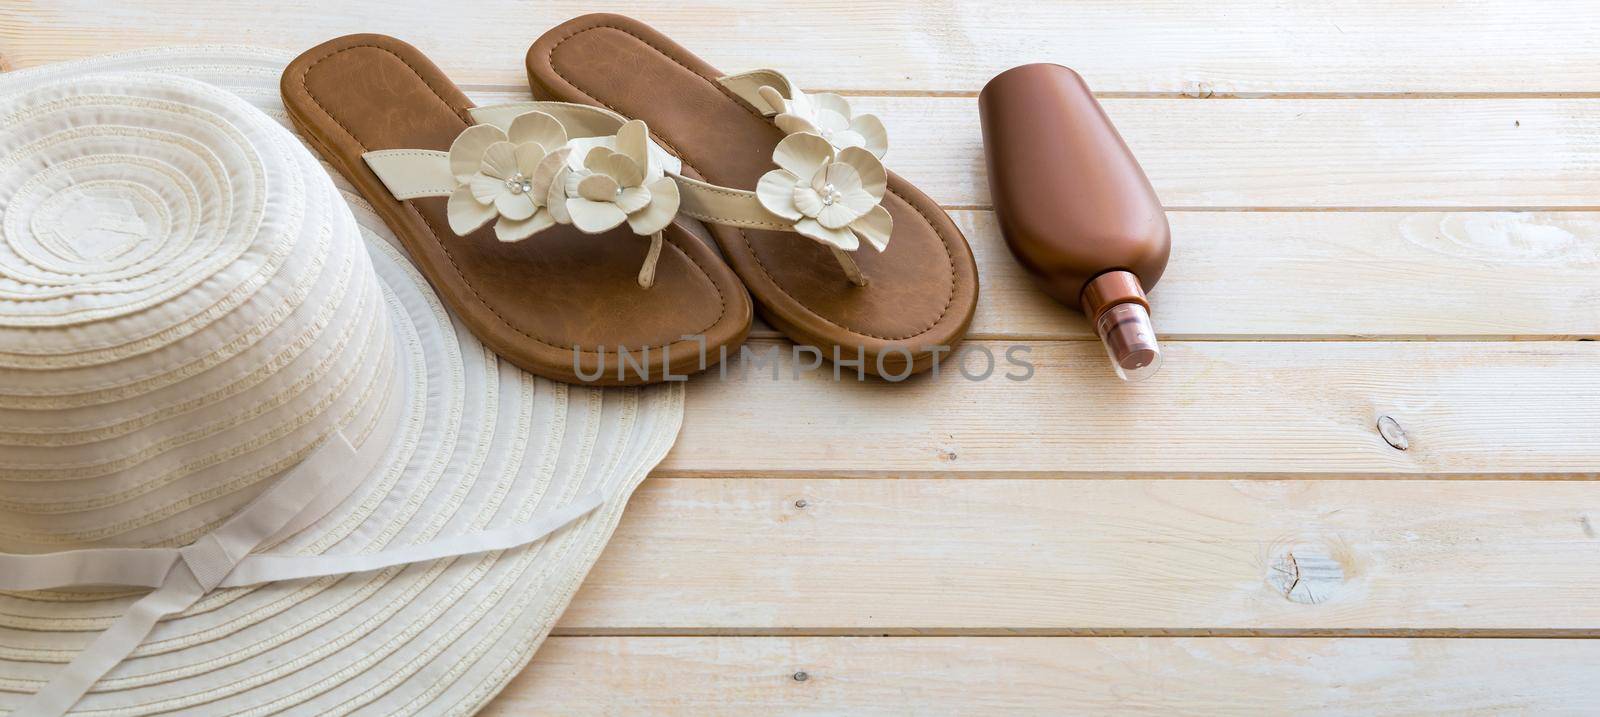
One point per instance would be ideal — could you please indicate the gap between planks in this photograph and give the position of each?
(713, 676)
(1336, 210)
(1184, 95)
(1131, 632)
(471, 87)
(780, 474)
(1227, 47)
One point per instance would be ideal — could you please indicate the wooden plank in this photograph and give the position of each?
(1330, 275)
(1291, 153)
(1334, 275)
(1099, 557)
(1215, 407)
(1404, 275)
(1228, 47)
(711, 676)
(1305, 274)
(1297, 153)
(1288, 153)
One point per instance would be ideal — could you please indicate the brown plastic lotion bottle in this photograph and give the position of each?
(1074, 206)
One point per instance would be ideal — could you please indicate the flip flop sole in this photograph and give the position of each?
(558, 304)
(922, 290)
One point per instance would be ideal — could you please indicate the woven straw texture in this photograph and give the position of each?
(188, 305)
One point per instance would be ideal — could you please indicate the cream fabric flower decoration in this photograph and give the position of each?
(621, 179)
(506, 174)
(827, 115)
(658, 161)
(618, 185)
(832, 197)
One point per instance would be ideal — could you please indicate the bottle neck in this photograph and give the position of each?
(1109, 289)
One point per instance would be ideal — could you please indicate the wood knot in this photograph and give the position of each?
(1305, 574)
(1392, 433)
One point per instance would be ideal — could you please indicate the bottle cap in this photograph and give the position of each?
(1130, 341)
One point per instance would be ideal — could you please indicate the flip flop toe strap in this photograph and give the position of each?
(529, 166)
(830, 179)
(824, 114)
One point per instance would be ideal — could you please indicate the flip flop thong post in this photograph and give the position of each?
(846, 256)
(560, 296)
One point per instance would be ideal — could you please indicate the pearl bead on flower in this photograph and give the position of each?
(830, 195)
(519, 184)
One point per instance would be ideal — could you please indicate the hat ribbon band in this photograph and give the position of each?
(221, 558)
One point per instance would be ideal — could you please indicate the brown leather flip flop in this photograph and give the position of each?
(920, 282)
(471, 192)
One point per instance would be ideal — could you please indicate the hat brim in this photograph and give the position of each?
(486, 445)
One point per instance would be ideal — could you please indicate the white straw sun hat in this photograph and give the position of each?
(225, 395)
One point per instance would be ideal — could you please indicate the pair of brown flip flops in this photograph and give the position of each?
(548, 226)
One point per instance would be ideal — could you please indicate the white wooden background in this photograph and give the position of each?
(1387, 208)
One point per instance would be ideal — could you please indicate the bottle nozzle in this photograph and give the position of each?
(1115, 302)
(1130, 341)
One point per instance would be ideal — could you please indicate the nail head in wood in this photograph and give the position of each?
(801, 503)
(801, 676)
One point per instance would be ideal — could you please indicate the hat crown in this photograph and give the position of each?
(186, 310)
